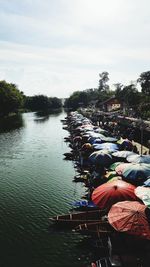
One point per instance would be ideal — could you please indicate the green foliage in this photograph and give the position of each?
(55, 102)
(42, 102)
(103, 86)
(144, 81)
(128, 94)
(11, 99)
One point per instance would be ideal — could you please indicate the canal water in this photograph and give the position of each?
(35, 184)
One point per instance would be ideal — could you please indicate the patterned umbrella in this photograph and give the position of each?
(130, 217)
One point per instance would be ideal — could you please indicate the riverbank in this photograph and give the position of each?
(136, 130)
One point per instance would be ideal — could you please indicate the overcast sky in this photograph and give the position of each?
(55, 47)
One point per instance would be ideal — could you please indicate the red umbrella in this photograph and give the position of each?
(107, 194)
(130, 217)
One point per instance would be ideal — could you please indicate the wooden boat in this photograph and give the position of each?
(101, 228)
(74, 219)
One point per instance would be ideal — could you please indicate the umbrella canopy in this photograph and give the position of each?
(123, 154)
(87, 146)
(130, 217)
(147, 182)
(144, 194)
(120, 168)
(97, 141)
(101, 158)
(109, 146)
(136, 171)
(139, 158)
(125, 144)
(113, 166)
(107, 194)
(109, 139)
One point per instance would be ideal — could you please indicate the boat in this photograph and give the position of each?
(101, 228)
(83, 205)
(74, 219)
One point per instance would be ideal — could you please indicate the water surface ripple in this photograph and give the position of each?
(36, 183)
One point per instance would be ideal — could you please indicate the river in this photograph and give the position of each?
(36, 183)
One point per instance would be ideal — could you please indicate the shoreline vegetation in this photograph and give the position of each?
(134, 102)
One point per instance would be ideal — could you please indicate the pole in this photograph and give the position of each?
(141, 128)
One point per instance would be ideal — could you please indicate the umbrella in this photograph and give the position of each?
(125, 144)
(147, 182)
(107, 194)
(136, 171)
(97, 141)
(130, 217)
(109, 139)
(87, 146)
(144, 194)
(101, 158)
(139, 158)
(113, 166)
(123, 153)
(109, 146)
(120, 168)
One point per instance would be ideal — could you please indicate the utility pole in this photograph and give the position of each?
(142, 133)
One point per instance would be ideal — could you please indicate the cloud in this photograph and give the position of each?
(56, 47)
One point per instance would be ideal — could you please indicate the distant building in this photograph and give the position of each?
(109, 105)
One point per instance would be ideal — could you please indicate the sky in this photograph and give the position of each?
(56, 47)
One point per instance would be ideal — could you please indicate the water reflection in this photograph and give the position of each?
(11, 123)
(43, 116)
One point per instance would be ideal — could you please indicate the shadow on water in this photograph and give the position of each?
(43, 116)
(12, 122)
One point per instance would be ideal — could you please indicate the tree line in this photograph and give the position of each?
(12, 100)
(129, 95)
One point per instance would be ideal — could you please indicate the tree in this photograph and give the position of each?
(55, 102)
(103, 86)
(11, 99)
(144, 81)
(37, 102)
(42, 102)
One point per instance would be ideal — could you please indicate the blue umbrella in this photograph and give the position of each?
(101, 157)
(107, 146)
(136, 171)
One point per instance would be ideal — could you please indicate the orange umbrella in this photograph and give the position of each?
(130, 217)
(107, 194)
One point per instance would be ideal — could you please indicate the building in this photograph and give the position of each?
(109, 105)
